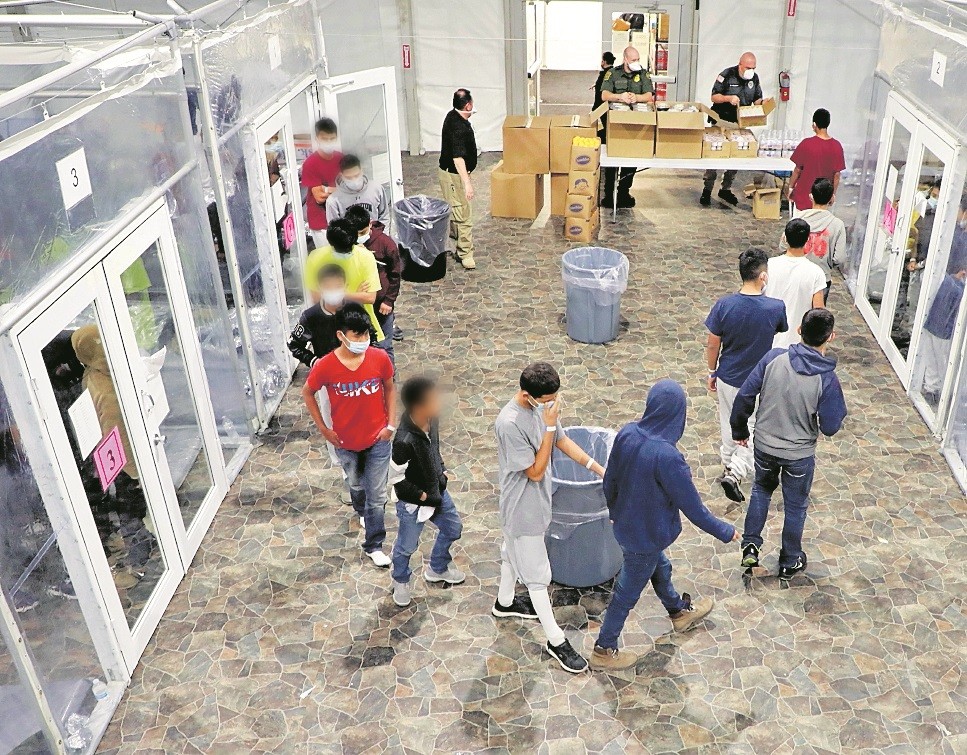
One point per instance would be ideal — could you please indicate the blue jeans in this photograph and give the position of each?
(636, 571)
(447, 520)
(387, 322)
(796, 477)
(367, 474)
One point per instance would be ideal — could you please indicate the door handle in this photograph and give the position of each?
(159, 439)
(399, 181)
(145, 397)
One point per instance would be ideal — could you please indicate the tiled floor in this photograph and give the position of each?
(283, 639)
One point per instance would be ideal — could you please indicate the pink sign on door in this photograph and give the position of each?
(889, 216)
(288, 230)
(109, 458)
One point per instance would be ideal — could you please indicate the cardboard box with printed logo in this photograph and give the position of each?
(579, 206)
(681, 129)
(515, 195)
(563, 130)
(586, 157)
(716, 144)
(580, 182)
(582, 229)
(527, 144)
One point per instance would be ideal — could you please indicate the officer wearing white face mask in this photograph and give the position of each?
(626, 84)
(736, 86)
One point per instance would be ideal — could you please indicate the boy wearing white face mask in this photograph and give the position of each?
(315, 335)
(359, 382)
(319, 173)
(354, 187)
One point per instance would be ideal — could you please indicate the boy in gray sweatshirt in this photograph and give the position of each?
(354, 187)
(799, 397)
(827, 233)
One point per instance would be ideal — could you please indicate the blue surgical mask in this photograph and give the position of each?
(932, 203)
(357, 347)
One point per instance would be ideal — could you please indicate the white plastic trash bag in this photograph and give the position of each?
(597, 269)
(422, 226)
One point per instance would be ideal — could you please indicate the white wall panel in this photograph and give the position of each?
(572, 33)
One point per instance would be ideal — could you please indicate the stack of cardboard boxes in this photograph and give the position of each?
(581, 218)
(564, 129)
(517, 181)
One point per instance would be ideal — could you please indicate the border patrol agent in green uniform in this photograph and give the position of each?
(735, 86)
(630, 84)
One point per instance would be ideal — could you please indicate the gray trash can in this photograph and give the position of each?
(580, 542)
(422, 226)
(594, 279)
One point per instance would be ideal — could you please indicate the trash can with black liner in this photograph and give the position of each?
(594, 279)
(422, 227)
(580, 540)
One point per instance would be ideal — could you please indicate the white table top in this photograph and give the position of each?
(769, 164)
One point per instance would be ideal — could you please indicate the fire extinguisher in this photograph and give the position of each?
(661, 59)
(784, 86)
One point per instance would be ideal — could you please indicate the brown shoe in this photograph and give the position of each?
(696, 611)
(612, 659)
(468, 263)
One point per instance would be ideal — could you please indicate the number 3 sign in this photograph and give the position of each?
(109, 458)
(75, 180)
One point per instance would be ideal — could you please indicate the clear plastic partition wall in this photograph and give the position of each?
(248, 69)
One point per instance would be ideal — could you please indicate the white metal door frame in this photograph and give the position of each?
(158, 229)
(384, 77)
(31, 338)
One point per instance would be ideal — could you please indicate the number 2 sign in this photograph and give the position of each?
(109, 458)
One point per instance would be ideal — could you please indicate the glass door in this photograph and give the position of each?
(117, 375)
(364, 106)
(282, 205)
(904, 235)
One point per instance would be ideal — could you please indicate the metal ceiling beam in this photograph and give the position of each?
(105, 20)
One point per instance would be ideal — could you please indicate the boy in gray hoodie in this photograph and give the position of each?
(354, 187)
(827, 233)
(799, 397)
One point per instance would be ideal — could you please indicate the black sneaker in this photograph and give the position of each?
(521, 607)
(750, 555)
(788, 572)
(397, 334)
(706, 199)
(569, 658)
(625, 201)
(728, 197)
(731, 487)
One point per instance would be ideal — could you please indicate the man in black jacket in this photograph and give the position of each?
(422, 492)
(315, 335)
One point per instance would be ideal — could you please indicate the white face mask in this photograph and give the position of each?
(354, 184)
(363, 239)
(327, 148)
(748, 74)
(636, 66)
(538, 405)
(356, 347)
(333, 298)
(932, 203)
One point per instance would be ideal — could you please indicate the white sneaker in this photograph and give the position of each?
(362, 522)
(451, 576)
(380, 559)
(401, 594)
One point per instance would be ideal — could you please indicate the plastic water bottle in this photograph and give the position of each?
(99, 690)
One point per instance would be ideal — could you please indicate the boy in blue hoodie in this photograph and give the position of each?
(648, 485)
(799, 397)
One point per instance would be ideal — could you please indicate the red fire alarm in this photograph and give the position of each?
(784, 80)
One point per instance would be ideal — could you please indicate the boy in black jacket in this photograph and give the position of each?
(422, 492)
(315, 335)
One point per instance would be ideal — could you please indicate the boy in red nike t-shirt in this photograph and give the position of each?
(359, 383)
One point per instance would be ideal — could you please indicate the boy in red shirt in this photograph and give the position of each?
(359, 383)
(819, 156)
(319, 173)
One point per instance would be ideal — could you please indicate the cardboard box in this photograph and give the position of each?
(582, 229)
(663, 27)
(756, 115)
(559, 184)
(743, 143)
(527, 144)
(515, 195)
(681, 134)
(631, 133)
(585, 158)
(766, 202)
(716, 144)
(580, 182)
(580, 206)
(563, 130)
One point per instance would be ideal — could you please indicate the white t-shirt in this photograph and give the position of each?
(794, 280)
